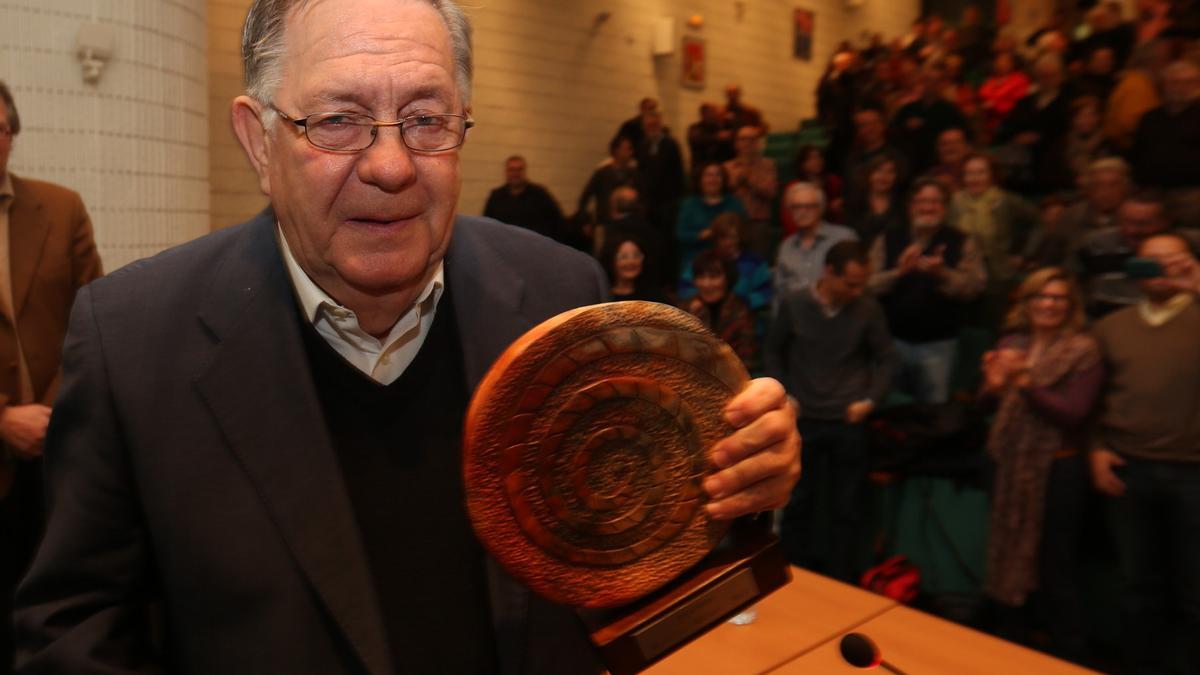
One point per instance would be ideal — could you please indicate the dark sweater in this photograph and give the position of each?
(398, 448)
(533, 208)
(1166, 149)
(917, 309)
(827, 363)
(1152, 404)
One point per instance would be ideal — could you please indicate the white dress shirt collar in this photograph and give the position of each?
(381, 360)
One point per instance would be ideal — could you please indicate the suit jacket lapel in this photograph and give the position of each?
(260, 391)
(487, 301)
(487, 305)
(27, 230)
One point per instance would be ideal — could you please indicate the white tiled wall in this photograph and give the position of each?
(553, 85)
(135, 145)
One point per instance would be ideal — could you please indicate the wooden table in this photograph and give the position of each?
(918, 643)
(800, 626)
(808, 612)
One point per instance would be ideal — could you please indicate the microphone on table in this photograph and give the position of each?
(859, 651)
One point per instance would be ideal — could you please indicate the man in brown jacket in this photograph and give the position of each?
(46, 254)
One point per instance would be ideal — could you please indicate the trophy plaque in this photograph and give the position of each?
(585, 447)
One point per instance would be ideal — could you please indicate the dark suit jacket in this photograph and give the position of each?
(188, 467)
(51, 255)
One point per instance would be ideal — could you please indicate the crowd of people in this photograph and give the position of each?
(1040, 191)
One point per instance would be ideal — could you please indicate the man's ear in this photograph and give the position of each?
(246, 117)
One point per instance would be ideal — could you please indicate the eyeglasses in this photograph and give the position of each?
(349, 132)
(804, 205)
(1050, 297)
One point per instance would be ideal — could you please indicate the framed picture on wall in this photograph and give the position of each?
(802, 25)
(694, 57)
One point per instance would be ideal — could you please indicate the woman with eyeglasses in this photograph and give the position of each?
(1045, 377)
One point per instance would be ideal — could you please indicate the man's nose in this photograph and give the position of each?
(388, 163)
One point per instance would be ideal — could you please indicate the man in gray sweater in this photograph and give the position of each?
(830, 347)
(1146, 459)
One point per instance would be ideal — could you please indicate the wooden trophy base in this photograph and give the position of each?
(739, 573)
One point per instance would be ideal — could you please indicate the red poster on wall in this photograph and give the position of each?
(693, 62)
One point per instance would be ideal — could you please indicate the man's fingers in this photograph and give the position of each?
(772, 493)
(774, 460)
(760, 396)
(768, 430)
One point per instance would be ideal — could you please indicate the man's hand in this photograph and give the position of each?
(23, 427)
(1183, 272)
(760, 462)
(907, 262)
(1103, 477)
(934, 265)
(858, 411)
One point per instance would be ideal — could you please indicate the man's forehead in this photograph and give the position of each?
(1163, 246)
(334, 47)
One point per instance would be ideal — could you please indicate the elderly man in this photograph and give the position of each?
(1146, 460)
(802, 254)
(924, 275)
(258, 433)
(46, 255)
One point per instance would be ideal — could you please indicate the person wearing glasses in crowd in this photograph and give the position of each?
(47, 253)
(801, 258)
(923, 275)
(1045, 377)
(254, 465)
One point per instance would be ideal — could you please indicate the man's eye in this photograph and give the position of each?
(426, 121)
(335, 121)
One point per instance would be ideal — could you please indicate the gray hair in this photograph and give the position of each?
(811, 187)
(263, 45)
(14, 119)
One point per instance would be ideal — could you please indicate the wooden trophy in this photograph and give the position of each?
(585, 449)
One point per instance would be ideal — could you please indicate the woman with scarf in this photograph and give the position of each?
(1045, 376)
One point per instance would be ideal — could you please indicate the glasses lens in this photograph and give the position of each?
(336, 131)
(431, 133)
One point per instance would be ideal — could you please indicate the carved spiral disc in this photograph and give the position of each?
(586, 446)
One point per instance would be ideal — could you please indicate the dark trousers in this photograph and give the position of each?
(1156, 528)
(1058, 569)
(21, 523)
(834, 469)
